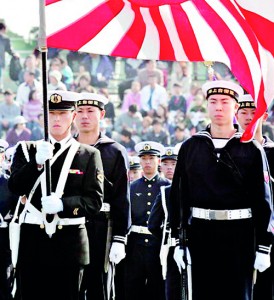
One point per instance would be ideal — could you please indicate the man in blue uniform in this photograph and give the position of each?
(54, 244)
(264, 287)
(143, 278)
(218, 202)
(107, 231)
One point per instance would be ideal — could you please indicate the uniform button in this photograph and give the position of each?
(149, 194)
(149, 185)
(147, 222)
(149, 203)
(153, 179)
(145, 180)
(146, 240)
(148, 212)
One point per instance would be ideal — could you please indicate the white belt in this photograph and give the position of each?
(31, 219)
(172, 242)
(139, 229)
(234, 214)
(105, 207)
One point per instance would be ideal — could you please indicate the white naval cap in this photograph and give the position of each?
(92, 99)
(222, 87)
(134, 162)
(170, 153)
(10, 152)
(62, 100)
(246, 101)
(3, 145)
(149, 147)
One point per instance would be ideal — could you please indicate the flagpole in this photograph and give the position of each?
(42, 44)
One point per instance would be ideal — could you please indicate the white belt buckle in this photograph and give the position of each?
(218, 215)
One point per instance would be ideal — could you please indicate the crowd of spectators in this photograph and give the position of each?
(154, 100)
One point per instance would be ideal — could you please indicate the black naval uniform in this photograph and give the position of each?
(7, 200)
(116, 193)
(230, 178)
(264, 286)
(50, 268)
(143, 275)
(155, 226)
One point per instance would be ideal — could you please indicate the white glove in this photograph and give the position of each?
(117, 252)
(262, 261)
(52, 204)
(178, 257)
(44, 152)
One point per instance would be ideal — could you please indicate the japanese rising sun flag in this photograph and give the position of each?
(237, 33)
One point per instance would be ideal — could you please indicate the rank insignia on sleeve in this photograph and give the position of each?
(75, 211)
(100, 175)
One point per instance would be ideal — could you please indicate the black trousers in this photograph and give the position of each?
(143, 273)
(46, 282)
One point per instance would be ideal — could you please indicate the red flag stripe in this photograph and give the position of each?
(130, 44)
(186, 34)
(166, 49)
(49, 2)
(80, 32)
(262, 27)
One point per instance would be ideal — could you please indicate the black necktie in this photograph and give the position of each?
(57, 147)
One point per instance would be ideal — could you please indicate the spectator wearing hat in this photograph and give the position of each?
(24, 89)
(55, 81)
(143, 279)
(135, 169)
(19, 132)
(159, 225)
(6, 209)
(54, 249)
(130, 120)
(158, 133)
(115, 215)
(9, 109)
(218, 195)
(264, 287)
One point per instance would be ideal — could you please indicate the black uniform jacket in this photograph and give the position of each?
(219, 179)
(83, 194)
(116, 188)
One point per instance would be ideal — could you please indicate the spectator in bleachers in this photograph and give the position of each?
(5, 46)
(30, 64)
(158, 133)
(81, 71)
(24, 89)
(32, 108)
(74, 59)
(100, 69)
(132, 119)
(180, 135)
(84, 84)
(55, 81)
(181, 74)
(152, 95)
(150, 69)
(37, 132)
(109, 107)
(177, 100)
(195, 89)
(67, 74)
(127, 141)
(19, 132)
(133, 96)
(9, 109)
(146, 125)
(131, 67)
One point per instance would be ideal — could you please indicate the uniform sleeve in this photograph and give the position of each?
(120, 204)
(23, 173)
(156, 217)
(91, 195)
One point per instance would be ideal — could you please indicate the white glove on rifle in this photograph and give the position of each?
(262, 260)
(52, 204)
(117, 252)
(44, 152)
(178, 257)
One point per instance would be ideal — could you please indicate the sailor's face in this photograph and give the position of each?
(60, 123)
(245, 116)
(149, 164)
